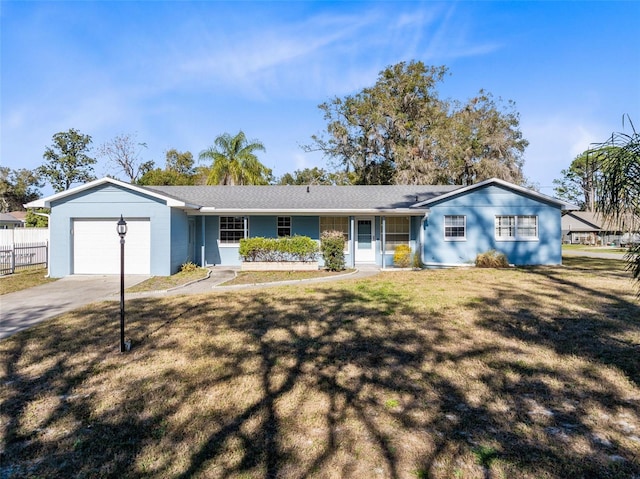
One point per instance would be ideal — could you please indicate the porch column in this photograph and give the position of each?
(204, 241)
(352, 228)
(383, 219)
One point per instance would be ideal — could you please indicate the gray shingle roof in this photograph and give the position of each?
(304, 198)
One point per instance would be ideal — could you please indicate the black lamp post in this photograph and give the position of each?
(122, 231)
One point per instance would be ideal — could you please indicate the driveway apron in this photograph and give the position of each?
(23, 309)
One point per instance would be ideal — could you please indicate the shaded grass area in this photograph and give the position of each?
(23, 280)
(473, 373)
(595, 265)
(594, 249)
(161, 283)
(257, 277)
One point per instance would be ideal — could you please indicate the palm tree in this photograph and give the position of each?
(234, 161)
(619, 195)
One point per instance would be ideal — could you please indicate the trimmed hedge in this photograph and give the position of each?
(289, 248)
(332, 247)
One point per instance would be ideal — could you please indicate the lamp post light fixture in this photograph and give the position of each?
(122, 232)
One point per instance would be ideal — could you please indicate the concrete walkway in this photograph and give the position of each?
(220, 276)
(26, 308)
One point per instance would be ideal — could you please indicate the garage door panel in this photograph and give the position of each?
(96, 247)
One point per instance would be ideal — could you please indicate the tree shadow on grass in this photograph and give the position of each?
(323, 382)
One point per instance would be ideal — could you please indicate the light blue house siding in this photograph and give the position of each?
(108, 202)
(215, 253)
(480, 208)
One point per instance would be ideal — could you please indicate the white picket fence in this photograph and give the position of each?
(13, 236)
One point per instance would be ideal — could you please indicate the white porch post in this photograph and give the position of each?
(384, 239)
(204, 241)
(352, 227)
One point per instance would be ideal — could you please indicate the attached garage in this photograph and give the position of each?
(96, 246)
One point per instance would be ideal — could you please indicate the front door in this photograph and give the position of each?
(365, 241)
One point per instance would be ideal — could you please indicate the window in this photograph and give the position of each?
(527, 226)
(455, 227)
(336, 223)
(397, 232)
(516, 227)
(232, 229)
(284, 226)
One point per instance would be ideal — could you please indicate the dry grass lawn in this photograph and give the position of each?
(23, 280)
(519, 373)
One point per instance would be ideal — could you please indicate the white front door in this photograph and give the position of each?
(365, 241)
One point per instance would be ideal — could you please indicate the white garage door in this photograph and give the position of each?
(96, 247)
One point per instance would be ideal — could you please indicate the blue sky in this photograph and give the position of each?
(178, 74)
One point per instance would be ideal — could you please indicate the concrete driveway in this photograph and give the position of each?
(23, 309)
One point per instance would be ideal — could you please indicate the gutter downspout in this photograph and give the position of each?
(423, 221)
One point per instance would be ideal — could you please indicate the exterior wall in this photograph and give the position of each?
(414, 241)
(480, 208)
(180, 253)
(109, 202)
(266, 226)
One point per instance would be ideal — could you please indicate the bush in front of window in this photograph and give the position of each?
(332, 247)
(492, 259)
(402, 256)
(272, 250)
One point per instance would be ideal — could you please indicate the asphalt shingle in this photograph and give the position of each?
(313, 197)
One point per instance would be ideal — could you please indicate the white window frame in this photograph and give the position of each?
(449, 237)
(245, 231)
(283, 226)
(346, 233)
(515, 227)
(390, 246)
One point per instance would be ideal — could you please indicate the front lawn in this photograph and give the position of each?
(461, 373)
(23, 280)
(595, 249)
(257, 277)
(163, 283)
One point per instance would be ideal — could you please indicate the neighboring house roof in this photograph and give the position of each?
(582, 222)
(388, 199)
(19, 215)
(8, 219)
(591, 221)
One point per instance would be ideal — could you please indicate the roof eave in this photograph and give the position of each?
(312, 211)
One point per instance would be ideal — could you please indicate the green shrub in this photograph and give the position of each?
(402, 256)
(332, 247)
(294, 248)
(492, 259)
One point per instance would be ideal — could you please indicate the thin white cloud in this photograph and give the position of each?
(554, 142)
